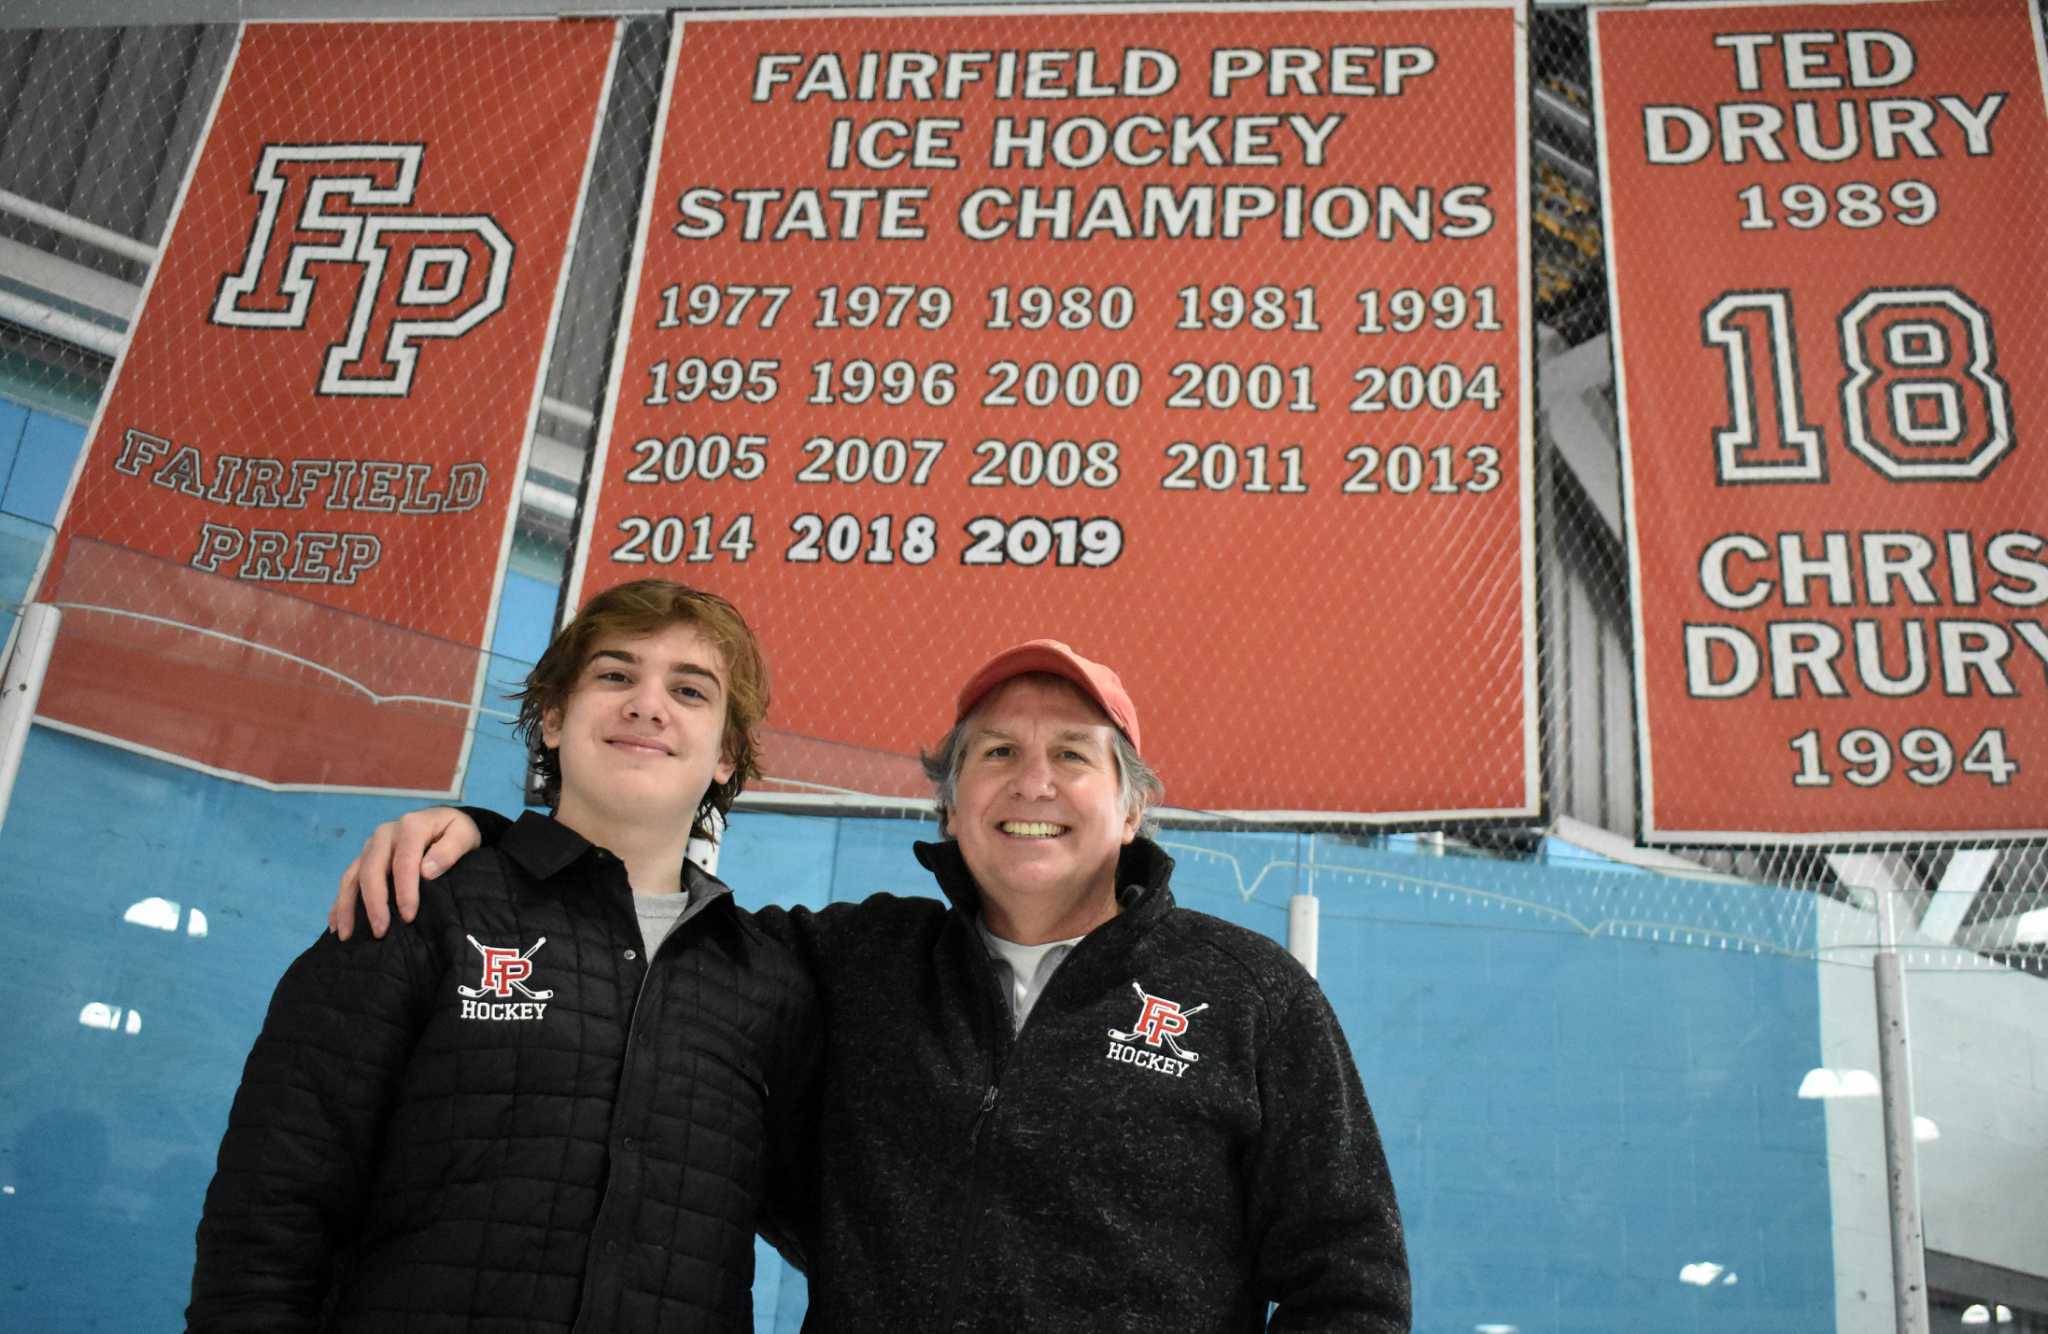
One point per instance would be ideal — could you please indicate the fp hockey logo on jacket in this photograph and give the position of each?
(506, 969)
(1160, 1021)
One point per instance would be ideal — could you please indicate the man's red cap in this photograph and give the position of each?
(1096, 681)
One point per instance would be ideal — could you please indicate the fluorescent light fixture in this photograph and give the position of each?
(1925, 1130)
(1496, 1329)
(99, 1014)
(162, 914)
(1700, 1273)
(1821, 1082)
(1980, 1314)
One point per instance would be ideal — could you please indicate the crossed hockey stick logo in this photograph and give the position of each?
(1160, 1020)
(505, 971)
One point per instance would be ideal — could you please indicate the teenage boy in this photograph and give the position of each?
(558, 1099)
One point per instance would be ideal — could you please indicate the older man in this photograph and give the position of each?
(1059, 1100)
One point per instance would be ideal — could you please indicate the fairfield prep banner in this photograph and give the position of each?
(1194, 337)
(280, 556)
(1827, 259)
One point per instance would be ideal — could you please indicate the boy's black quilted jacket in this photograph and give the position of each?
(591, 1156)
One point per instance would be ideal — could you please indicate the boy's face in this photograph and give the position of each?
(642, 735)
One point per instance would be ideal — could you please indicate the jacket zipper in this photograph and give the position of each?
(988, 1104)
(1004, 1047)
(1007, 1042)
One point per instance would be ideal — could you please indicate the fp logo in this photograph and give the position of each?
(328, 209)
(506, 971)
(1159, 1020)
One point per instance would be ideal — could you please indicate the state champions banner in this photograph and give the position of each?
(280, 556)
(1827, 254)
(1196, 337)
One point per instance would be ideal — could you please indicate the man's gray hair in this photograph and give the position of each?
(1137, 784)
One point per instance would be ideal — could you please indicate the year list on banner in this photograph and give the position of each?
(1195, 338)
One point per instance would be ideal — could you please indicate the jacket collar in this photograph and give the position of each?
(544, 847)
(1142, 873)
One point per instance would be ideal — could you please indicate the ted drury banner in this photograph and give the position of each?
(1827, 254)
(1195, 337)
(281, 552)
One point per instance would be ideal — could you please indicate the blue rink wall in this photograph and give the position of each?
(1574, 1113)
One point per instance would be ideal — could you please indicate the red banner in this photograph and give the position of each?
(1827, 262)
(281, 553)
(1196, 338)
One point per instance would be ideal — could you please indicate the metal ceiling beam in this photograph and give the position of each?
(120, 13)
(1968, 869)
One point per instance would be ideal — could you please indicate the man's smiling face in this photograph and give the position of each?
(642, 734)
(1038, 807)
